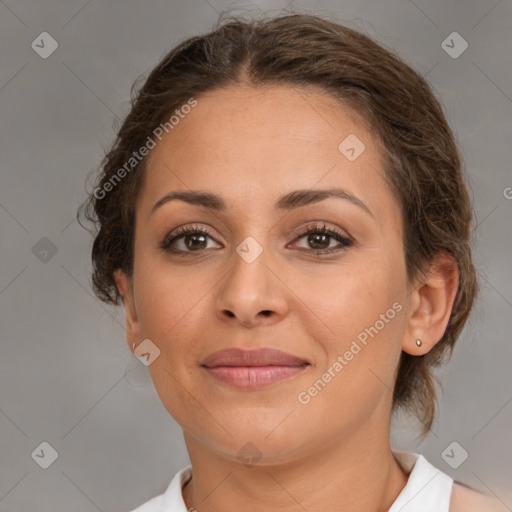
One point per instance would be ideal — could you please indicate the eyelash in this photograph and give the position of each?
(315, 229)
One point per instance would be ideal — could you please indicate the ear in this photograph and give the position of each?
(432, 301)
(124, 285)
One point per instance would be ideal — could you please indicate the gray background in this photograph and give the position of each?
(66, 375)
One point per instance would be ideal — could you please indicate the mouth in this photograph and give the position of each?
(252, 369)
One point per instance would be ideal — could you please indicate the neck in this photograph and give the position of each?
(355, 475)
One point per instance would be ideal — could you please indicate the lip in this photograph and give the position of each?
(253, 368)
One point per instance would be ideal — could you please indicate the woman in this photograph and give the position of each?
(285, 219)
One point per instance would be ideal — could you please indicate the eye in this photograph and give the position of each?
(319, 238)
(186, 239)
(195, 239)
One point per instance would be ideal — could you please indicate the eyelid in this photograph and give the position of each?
(312, 227)
(322, 226)
(336, 233)
(182, 231)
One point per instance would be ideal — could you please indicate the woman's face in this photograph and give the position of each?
(265, 277)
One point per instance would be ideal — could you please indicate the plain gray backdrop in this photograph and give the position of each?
(64, 363)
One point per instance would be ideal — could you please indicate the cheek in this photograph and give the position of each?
(349, 298)
(171, 308)
(165, 296)
(361, 308)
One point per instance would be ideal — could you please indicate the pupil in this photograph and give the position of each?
(313, 241)
(192, 245)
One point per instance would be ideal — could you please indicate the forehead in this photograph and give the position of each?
(251, 144)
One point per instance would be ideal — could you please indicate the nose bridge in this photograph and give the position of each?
(250, 290)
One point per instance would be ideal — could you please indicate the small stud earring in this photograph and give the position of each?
(418, 343)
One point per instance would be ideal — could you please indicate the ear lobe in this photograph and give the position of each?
(433, 299)
(132, 323)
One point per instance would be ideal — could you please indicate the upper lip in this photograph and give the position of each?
(255, 357)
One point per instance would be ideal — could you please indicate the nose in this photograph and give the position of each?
(251, 293)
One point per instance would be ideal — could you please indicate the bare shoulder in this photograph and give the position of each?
(465, 499)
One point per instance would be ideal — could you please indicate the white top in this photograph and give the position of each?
(427, 490)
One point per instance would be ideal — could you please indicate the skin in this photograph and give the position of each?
(251, 146)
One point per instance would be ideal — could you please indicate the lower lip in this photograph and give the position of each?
(250, 377)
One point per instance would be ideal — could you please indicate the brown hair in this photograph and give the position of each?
(422, 163)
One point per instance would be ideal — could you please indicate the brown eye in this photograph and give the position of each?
(319, 239)
(189, 239)
(195, 241)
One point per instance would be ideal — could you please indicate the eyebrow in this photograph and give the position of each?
(290, 201)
